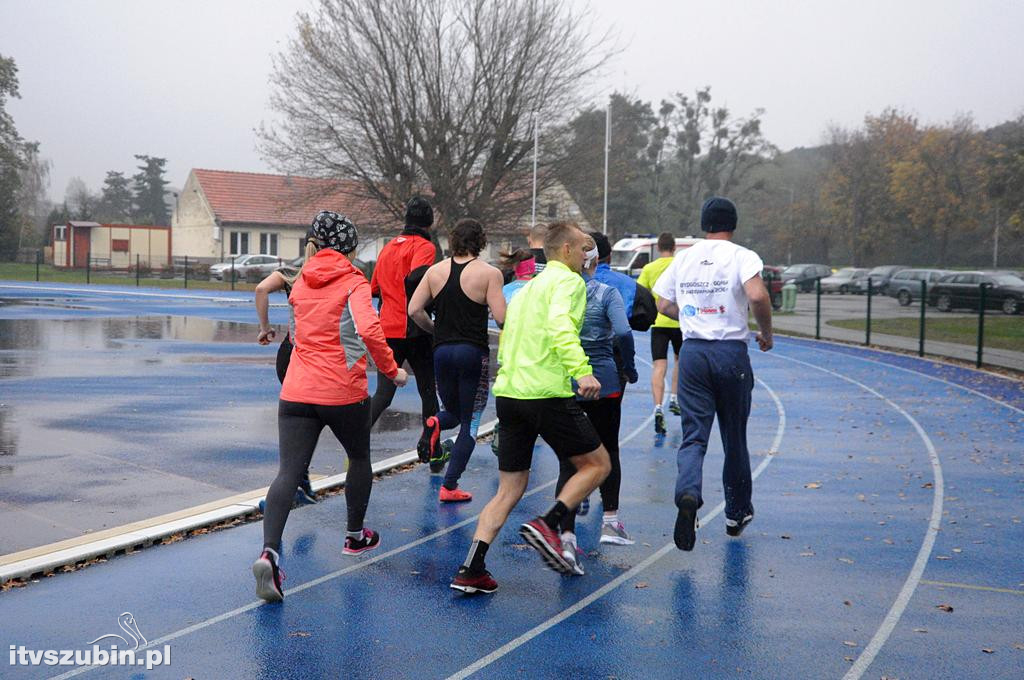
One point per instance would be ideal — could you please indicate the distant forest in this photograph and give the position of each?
(892, 191)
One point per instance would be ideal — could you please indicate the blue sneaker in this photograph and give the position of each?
(304, 495)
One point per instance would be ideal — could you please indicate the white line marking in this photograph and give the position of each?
(485, 661)
(136, 293)
(934, 524)
(333, 575)
(923, 375)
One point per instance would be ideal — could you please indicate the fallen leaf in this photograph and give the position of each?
(927, 485)
(920, 630)
(958, 550)
(848, 658)
(861, 497)
(641, 584)
(299, 633)
(807, 554)
(849, 643)
(988, 651)
(785, 536)
(943, 557)
(845, 560)
(1017, 645)
(887, 541)
(813, 485)
(945, 607)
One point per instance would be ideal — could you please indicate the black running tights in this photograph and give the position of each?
(606, 416)
(299, 427)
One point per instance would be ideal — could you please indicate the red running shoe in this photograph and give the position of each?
(426, 447)
(356, 546)
(269, 578)
(469, 582)
(447, 495)
(546, 541)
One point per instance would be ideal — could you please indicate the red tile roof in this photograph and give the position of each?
(257, 198)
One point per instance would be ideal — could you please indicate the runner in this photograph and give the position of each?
(604, 334)
(283, 279)
(664, 332)
(535, 240)
(399, 266)
(540, 354)
(712, 284)
(462, 288)
(334, 328)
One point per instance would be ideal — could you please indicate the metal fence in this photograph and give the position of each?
(975, 327)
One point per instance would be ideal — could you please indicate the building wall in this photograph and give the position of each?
(117, 246)
(193, 223)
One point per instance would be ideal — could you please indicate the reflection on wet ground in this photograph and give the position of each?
(116, 410)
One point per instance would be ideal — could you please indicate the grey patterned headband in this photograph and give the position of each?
(335, 231)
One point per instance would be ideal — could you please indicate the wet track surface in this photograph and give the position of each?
(897, 487)
(116, 408)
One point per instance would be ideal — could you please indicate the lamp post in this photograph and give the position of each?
(533, 214)
(607, 151)
(789, 237)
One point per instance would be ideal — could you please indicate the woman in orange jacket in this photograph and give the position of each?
(335, 327)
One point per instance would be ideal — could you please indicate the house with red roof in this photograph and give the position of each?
(221, 213)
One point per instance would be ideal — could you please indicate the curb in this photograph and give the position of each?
(44, 560)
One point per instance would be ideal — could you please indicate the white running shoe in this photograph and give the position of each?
(615, 534)
(572, 554)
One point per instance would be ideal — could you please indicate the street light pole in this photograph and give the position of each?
(789, 236)
(607, 150)
(533, 215)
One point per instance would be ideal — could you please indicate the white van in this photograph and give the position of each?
(630, 254)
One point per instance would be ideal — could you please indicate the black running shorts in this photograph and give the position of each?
(660, 338)
(560, 422)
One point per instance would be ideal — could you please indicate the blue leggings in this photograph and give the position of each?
(462, 372)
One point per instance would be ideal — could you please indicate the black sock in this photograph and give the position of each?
(555, 515)
(475, 558)
(453, 487)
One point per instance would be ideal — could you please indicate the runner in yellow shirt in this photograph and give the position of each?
(664, 332)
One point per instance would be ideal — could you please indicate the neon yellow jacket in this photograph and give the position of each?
(648, 277)
(540, 346)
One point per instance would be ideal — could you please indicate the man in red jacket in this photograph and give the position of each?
(400, 266)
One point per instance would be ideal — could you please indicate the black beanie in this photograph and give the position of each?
(418, 212)
(718, 214)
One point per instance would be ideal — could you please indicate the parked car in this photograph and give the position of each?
(804, 275)
(963, 289)
(242, 265)
(905, 286)
(879, 277)
(843, 281)
(772, 277)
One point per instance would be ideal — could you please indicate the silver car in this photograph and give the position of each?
(905, 286)
(843, 281)
(242, 265)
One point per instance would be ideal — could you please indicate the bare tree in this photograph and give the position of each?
(430, 96)
(714, 150)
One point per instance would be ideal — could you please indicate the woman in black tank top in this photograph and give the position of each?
(457, 318)
(461, 349)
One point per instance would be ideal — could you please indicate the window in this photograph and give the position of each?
(119, 245)
(60, 233)
(239, 242)
(641, 260)
(552, 210)
(268, 244)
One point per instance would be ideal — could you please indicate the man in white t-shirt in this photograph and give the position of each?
(709, 287)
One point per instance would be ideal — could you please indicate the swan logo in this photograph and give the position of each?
(128, 649)
(127, 624)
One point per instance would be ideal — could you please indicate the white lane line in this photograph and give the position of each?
(135, 293)
(333, 575)
(934, 524)
(922, 375)
(485, 661)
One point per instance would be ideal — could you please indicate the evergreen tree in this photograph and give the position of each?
(116, 198)
(11, 163)
(148, 186)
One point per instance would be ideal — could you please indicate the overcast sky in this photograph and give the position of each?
(102, 80)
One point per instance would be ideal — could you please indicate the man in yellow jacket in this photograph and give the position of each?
(540, 355)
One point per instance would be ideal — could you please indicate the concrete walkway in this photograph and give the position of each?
(835, 307)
